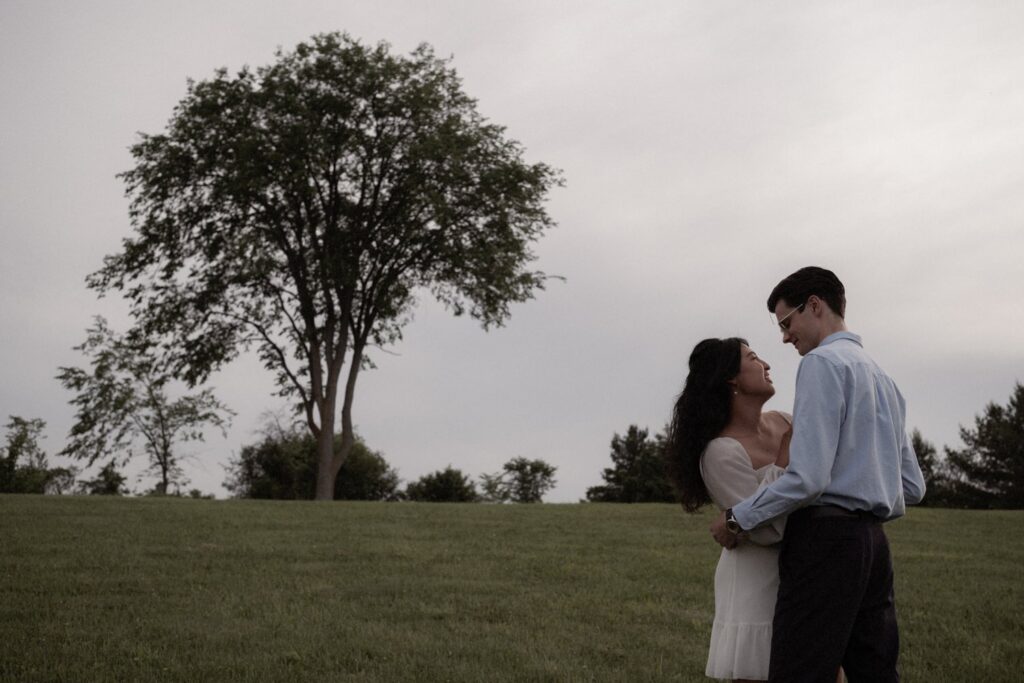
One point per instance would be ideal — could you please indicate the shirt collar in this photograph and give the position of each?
(836, 336)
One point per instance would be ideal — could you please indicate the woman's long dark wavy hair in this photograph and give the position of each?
(701, 413)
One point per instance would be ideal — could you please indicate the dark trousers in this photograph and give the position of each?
(836, 604)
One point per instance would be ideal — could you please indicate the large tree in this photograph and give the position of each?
(989, 470)
(300, 208)
(123, 399)
(637, 474)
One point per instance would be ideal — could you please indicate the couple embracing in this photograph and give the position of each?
(804, 585)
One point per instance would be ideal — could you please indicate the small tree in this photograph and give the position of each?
(302, 208)
(927, 457)
(61, 480)
(283, 466)
(528, 480)
(989, 470)
(637, 474)
(444, 486)
(278, 467)
(123, 400)
(23, 465)
(494, 488)
(940, 485)
(365, 475)
(109, 482)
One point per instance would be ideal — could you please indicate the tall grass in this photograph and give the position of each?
(107, 589)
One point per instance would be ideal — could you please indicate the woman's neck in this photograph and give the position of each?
(745, 419)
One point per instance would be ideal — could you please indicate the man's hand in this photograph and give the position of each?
(722, 535)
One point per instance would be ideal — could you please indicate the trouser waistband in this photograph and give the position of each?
(820, 511)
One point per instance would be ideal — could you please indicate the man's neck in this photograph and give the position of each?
(830, 327)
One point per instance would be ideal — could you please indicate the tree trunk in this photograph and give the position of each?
(328, 462)
(348, 434)
(325, 453)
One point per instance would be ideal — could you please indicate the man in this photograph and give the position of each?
(851, 467)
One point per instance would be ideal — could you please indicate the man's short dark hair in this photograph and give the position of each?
(810, 281)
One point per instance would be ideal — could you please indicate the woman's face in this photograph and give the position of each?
(753, 378)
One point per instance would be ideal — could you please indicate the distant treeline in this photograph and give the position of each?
(987, 473)
(283, 466)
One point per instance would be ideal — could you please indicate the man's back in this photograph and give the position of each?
(874, 468)
(849, 447)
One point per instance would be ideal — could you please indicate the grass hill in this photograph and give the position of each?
(151, 589)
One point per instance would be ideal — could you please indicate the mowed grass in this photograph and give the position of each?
(108, 589)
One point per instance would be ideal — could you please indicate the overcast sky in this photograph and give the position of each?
(709, 149)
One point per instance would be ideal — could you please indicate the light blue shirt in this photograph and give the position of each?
(850, 446)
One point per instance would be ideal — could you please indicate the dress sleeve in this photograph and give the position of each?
(728, 474)
(730, 478)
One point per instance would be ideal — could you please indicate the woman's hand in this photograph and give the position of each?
(782, 457)
(722, 535)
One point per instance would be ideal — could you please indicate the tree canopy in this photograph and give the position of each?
(637, 474)
(444, 486)
(528, 480)
(942, 488)
(989, 470)
(520, 480)
(108, 482)
(302, 207)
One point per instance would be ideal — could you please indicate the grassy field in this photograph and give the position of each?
(108, 589)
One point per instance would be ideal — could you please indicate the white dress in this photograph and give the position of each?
(747, 578)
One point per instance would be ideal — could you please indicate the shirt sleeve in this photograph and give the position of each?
(729, 478)
(818, 415)
(773, 531)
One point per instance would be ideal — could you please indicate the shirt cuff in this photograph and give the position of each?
(741, 511)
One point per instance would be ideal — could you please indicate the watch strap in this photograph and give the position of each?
(731, 523)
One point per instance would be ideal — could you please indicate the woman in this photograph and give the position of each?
(721, 448)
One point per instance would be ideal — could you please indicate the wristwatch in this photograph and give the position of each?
(730, 522)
